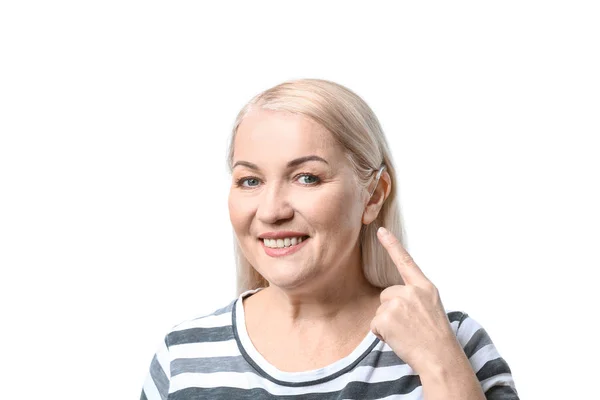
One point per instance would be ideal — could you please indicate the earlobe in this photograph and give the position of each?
(369, 214)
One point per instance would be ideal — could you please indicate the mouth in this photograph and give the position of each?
(282, 243)
(283, 246)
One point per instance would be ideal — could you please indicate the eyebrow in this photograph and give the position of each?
(293, 163)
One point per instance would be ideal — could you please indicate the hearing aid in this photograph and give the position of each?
(381, 169)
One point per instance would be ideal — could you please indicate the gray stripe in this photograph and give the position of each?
(225, 309)
(160, 378)
(209, 365)
(353, 390)
(501, 393)
(454, 316)
(479, 339)
(143, 396)
(464, 316)
(200, 335)
(368, 391)
(381, 359)
(493, 368)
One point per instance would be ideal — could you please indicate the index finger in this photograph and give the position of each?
(409, 270)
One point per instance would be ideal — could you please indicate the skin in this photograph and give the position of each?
(412, 321)
(318, 305)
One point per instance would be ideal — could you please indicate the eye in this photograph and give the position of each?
(248, 182)
(308, 179)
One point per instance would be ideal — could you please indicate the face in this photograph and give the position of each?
(295, 204)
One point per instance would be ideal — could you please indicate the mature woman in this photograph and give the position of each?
(331, 305)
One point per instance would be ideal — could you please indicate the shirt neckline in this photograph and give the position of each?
(303, 378)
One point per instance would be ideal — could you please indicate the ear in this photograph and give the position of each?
(381, 193)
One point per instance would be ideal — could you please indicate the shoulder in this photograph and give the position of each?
(206, 336)
(206, 329)
(491, 368)
(212, 327)
(471, 335)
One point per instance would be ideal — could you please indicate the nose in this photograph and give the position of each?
(274, 205)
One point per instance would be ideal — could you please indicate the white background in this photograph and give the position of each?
(114, 120)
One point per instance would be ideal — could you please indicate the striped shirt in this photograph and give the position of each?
(212, 357)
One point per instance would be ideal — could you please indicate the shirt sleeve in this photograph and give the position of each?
(156, 385)
(491, 369)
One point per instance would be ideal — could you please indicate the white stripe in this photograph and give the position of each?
(226, 348)
(483, 355)
(210, 321)
(150, 389)
(505, 379)
(249, 380)
(467, 329)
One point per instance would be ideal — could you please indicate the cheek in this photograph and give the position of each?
(336, 210)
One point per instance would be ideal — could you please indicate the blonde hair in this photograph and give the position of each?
(353, 125)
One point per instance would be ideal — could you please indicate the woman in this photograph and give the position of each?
(331, 305)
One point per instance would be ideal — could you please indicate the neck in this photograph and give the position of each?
(342, 293)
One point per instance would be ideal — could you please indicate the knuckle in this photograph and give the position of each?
(393, 240)
(385, 318)
(411, 291)
(406, 258)
(395, 303)
(429, 287)
(433, 291)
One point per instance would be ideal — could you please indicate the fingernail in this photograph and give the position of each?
(382, 231)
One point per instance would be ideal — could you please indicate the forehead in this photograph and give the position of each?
(266, 135)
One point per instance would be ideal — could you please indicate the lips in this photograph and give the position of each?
(281, 235)
(285, 250)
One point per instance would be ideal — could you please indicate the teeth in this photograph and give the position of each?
(281, 243)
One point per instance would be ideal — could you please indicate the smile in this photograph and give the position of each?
(283, 242)
(283, 246)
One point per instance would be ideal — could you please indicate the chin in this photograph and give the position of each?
(287, 275)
